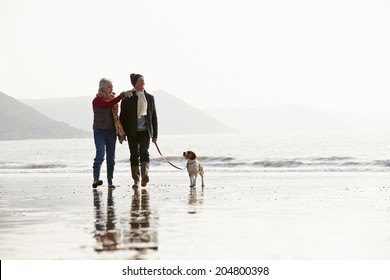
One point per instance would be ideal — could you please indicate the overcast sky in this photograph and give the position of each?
(332, 54)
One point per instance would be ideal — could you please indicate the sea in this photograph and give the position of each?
(218, 152)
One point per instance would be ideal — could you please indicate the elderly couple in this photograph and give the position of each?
(137, 121)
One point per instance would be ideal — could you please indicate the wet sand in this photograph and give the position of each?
(274, 216)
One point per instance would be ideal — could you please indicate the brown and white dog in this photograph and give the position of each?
(194, 167)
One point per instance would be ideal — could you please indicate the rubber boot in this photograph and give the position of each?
(144, 173)
(96, 176)
(110, 175)
(135, 174)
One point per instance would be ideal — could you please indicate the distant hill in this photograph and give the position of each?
(19, 121)
(75, 111)
(300, 119)
(178, 117)
(174, 115)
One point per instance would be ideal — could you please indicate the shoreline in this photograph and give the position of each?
(279, 216)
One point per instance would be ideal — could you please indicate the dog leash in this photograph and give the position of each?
(158, 149)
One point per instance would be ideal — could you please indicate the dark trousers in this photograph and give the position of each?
(139, 147)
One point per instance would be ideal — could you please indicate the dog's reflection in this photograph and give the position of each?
(105, 231)
(141, 235)
(194, 200)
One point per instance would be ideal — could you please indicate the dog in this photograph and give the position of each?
(194, 167)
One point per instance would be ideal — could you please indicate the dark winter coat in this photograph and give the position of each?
(128, 115)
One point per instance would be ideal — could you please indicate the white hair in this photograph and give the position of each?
(104, 82)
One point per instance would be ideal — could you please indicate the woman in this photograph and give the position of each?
(139, 119)
(106, 126)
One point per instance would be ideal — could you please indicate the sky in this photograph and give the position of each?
(331, 55)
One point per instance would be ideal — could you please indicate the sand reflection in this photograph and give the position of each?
(141, 235)
(136, 231)
(105, 231)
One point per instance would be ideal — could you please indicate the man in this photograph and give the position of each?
(139, 120)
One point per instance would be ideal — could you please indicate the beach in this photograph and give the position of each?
(237, 215)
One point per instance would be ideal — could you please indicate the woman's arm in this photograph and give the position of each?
(100, 102)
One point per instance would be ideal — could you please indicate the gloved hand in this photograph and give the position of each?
(123, 94)
(121, 138)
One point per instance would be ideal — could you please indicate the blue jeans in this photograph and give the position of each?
(139, 147)
(105, 142)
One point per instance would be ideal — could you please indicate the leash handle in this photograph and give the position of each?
(158, 149)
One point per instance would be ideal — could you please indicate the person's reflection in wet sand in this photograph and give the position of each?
(194, 200)
(110, 235)
(142, 235)
(105, 231)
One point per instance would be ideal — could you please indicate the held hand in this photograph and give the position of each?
(121, 138)
(154, 140)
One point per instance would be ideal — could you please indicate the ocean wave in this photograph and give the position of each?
(332, 162)
(31, 165)
(333, 158)
(313, 164)
(384, 163)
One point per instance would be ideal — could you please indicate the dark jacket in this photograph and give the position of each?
(128, 115)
